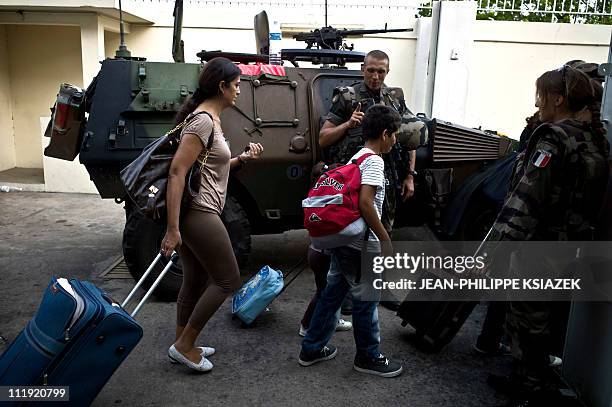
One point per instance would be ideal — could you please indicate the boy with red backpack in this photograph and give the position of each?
(380, 127)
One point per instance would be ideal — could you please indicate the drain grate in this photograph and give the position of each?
(117, 269)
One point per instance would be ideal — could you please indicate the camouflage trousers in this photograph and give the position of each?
(529, 325)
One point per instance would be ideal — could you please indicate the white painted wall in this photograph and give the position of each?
(305, 13)
(60, 3)
(92, 47)
(507, 59)
(453, 61)
(417, 99)
(40, 58)
(62, 175)
(7, 135)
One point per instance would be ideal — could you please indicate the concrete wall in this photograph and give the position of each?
(304, 13)
(62, 175)
(7, 135)
(39, 59)
(509, 56)
(401, 48)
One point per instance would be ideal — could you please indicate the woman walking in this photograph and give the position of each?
(210, 270)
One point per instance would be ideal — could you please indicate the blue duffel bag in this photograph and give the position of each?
(256, 294)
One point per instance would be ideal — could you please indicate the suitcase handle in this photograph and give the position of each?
(110, 299)
(173, 259)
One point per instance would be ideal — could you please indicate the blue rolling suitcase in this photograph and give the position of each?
(78, 338)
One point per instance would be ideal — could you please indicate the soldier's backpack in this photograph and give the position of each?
(331, 210)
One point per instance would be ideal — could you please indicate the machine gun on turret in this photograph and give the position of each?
(324, 46)
(327, 46)
(333, 38)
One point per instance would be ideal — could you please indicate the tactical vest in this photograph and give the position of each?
(347, 146)
(578, 195)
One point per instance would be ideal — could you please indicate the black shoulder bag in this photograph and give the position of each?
(146, 178)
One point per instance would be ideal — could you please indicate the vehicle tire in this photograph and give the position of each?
(236, 222)
(477, 219)
(141, 242)
(142, 239)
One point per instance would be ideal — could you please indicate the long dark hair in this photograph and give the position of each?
(580, 92)
(217, 70)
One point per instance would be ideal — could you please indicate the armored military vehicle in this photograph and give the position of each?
(133, 101)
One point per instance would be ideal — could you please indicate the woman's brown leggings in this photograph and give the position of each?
(210, 271)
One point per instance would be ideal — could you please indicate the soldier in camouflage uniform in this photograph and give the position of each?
(557, 191)
(492, 331)
(340, 137)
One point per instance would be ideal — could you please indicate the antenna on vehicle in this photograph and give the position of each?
(262, 33)
(325, 13)
(178, 45)
(122, 51)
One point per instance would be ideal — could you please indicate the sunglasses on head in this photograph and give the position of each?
(563, 71)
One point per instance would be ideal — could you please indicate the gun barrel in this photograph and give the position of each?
(303, 36)
(348, 33)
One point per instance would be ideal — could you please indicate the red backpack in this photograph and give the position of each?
(331, 210)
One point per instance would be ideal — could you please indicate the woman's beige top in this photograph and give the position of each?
(215, 173)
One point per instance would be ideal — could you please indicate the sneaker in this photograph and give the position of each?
(342, 325)
(328, 352)
(502, 350)
(380, 366)
(554, 361)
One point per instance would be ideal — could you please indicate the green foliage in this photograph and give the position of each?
(555, 11)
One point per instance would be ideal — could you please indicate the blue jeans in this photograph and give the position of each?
(344, 271)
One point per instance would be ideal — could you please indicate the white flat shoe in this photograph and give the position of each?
(204, 351)
(203, 366)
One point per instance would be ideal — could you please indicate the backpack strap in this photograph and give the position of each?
(361, 159)
(366, 235)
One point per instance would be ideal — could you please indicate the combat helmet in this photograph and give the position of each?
(413, 132)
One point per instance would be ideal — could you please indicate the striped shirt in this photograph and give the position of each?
(372, 173)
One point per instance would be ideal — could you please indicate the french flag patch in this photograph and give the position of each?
(541, 158)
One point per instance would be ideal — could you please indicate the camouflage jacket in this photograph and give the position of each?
(344, 102)
(558, 186)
